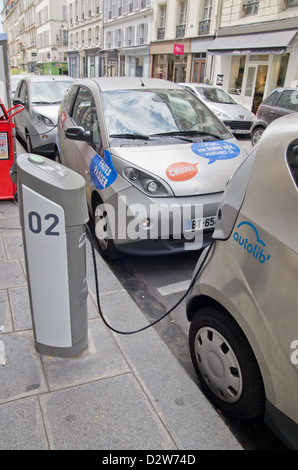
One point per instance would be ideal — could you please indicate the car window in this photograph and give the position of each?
(24, 94)
(271, 99)
(216, 95)
(70, 97)
(84, 115)
(149, 112)
(48, 92)
(287, 101)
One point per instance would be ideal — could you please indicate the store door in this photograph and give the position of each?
(198, 71)
(254, 85)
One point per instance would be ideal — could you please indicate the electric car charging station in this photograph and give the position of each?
(53, 213)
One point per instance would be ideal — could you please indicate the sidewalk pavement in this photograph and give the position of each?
(121, 393)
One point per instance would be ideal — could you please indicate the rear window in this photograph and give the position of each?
(271, 99)
(288, 100)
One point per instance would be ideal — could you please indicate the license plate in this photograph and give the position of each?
(200, 224)
(240, 131)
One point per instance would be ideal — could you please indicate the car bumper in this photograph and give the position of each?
(160, 225)
(282, 426)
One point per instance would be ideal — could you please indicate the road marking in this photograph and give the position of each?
(173, 288)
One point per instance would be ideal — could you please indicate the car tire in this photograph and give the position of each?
(101, 229)
(256, 135)
(57, 156)
(29, 143)
(225, 364)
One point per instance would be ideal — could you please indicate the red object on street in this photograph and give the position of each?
(7, 187)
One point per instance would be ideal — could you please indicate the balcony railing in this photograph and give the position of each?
(204, 27)
(180, 30)
(160, 33)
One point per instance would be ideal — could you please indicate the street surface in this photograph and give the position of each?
(156, 284)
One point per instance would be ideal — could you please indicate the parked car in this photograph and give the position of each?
(155, 161)
(235, 116)
(37, 124)
(278, 103)
(243, 305)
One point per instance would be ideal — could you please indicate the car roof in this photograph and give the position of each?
(47, 78)
(129, 83)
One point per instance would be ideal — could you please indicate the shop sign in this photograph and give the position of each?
(178, 49)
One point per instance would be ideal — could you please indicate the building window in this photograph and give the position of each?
(181, 26)
(291, 3)
(162, 22)
(250, 7)
(236, 74)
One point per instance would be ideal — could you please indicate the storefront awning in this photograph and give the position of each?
(261, 43)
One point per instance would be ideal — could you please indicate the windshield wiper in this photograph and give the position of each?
(186, 133)
(130, 136)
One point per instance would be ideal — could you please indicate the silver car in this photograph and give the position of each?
(235, 116)
(243, 305)
(155, 161)
(41, 97)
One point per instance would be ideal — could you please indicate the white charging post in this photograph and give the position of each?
(53, 212)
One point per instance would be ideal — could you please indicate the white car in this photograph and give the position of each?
(243, 304)
(235, 116)
(155, 159)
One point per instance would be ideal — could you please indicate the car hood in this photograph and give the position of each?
(234, 111)
(50, 110)
(189, 169)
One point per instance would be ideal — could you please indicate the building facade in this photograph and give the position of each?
(256, 48)
(249, 47)
(37, 35)
(127, 31)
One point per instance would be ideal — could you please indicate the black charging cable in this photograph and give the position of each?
(159, 319)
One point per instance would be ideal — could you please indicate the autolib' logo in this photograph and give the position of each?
(255, 247)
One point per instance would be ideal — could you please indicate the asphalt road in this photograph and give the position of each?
(156, 284)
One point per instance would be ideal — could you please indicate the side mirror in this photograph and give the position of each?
(18, 101)
(77, 133)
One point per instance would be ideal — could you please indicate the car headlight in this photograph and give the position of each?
(221, 115)
(148, 184)
(44, 119)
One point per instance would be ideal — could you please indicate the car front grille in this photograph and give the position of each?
(245, 125)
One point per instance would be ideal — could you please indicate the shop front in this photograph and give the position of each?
(137, 61)
(250, 66)
(171, 60)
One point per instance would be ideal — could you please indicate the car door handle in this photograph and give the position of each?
(272, 113)
(86, 172)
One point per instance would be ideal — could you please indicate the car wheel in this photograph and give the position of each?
(225, 363)
(101, 229)
(57, 156)
(256, 135)
(29, 143)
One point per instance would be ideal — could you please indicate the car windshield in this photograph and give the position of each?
(147, 113)
(48, 92)
(216, 95)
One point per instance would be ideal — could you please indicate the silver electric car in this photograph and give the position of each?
(243, 305)
(155, 159)
(41, 96)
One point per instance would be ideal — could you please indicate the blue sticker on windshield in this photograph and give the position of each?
(218, 150)
(102, 170)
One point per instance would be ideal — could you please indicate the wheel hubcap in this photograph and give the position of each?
(101, 228)
(218, 365)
